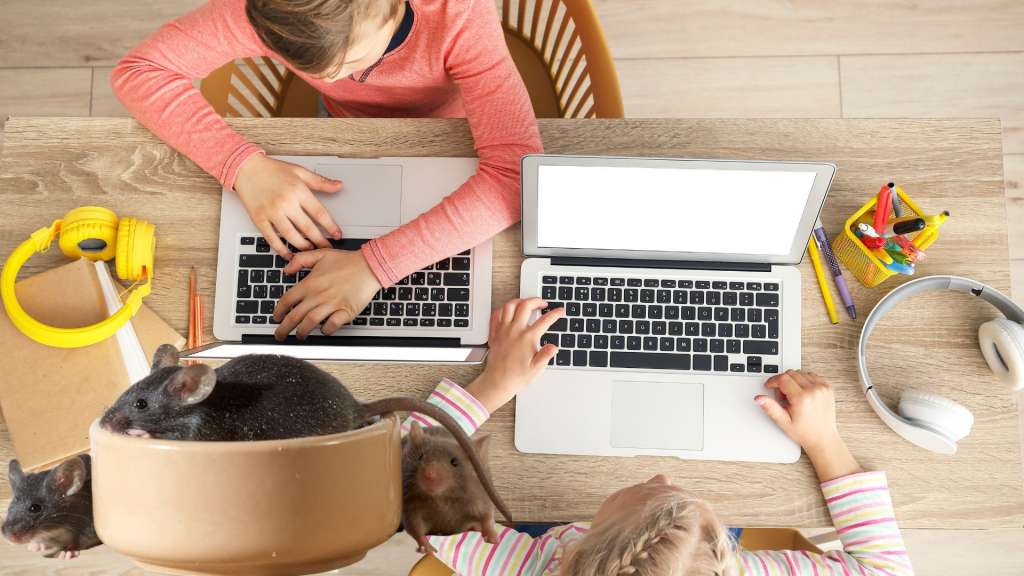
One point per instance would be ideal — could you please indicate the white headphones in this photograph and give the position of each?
(929, 420)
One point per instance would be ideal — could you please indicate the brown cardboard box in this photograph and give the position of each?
(49, 396)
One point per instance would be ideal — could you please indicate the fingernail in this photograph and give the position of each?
(337, 235)
(760, 400)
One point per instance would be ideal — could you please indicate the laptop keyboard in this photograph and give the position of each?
(436, 297)
(665, 324)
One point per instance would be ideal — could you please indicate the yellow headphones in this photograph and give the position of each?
(96, 234)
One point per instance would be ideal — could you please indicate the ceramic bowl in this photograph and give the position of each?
(272, 507)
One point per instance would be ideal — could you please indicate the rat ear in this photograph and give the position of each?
(166, 355)
(482, 445)
(66, 479)
(416, 433)
(192, 384)
(15, 474)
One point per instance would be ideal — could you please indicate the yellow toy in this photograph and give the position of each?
(96, 234)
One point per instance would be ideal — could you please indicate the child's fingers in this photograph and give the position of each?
(272, 238)
(785, 383)
(293, 316)
(317, 182)
(544, 355)
(495, 323)
(525, 308)
(283, 225)
(800, 378)
(313, 319)
(317, 212)
(775, 411)
(306, 259)
(311, 231)
(544, 323)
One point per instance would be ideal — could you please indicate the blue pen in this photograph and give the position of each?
(837, 273)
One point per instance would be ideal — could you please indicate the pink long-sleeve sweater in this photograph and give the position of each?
(453, 63)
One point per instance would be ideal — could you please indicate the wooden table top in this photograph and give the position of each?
(50, 165)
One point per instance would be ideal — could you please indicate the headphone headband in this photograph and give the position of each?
(139, 267)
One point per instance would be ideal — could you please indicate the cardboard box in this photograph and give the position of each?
(50, 396)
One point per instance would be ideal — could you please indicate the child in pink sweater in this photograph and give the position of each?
(369, 58)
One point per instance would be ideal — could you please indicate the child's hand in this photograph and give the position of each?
(516, 358)
(337, 289)
(804, 408)
(279, 199)
(807, 414)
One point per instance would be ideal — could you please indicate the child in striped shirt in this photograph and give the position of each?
(654, 527)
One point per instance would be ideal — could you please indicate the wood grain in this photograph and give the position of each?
(44, 91)
(656, 29)
(51, 164)
(801, 87)
(95, 33)
(938, 86)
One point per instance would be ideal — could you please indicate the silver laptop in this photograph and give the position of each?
(438, 314)
(682, 297)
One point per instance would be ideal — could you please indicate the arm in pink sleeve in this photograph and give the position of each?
(504, 129)
(154, 81)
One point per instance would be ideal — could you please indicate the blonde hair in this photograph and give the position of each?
(675, 535)
(313, 35)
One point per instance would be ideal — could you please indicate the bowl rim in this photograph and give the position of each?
(386, 423)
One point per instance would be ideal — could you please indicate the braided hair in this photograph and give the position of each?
(675, 534)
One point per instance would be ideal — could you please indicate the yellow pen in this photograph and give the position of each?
(819, 271)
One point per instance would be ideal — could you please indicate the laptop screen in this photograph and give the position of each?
(677, 206)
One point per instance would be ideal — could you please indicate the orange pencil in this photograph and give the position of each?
(191, 341)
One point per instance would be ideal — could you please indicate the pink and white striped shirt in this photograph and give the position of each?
(860, 506)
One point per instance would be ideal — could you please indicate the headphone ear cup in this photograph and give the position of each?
(1002, 345)
(89, 232)
(136, 244)
(936, 412)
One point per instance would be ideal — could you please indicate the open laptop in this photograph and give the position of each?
(438, 314)
(682, 297)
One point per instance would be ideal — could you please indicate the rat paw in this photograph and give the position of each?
(67, 554)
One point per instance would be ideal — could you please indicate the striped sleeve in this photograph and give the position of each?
(863, 516)
(515, 554)
(459, 404)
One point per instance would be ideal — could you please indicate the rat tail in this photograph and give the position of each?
(408, 404)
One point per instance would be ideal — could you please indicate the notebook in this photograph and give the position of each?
(49, 396)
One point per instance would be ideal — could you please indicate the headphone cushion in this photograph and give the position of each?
(1006, 337)
(136, 244)
(937, 412)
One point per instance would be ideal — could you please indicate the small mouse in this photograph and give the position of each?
(51, 511)
(439, 494)
(258, 397)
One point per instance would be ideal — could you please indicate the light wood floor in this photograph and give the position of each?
(688, 58)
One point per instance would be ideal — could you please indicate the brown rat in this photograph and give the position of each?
(258, 397)
(439, 494)
(51, 511)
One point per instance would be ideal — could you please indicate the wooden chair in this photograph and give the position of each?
(558, 47)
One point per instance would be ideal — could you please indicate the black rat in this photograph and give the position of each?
(439, 494)
(51, 511)
(258, 397)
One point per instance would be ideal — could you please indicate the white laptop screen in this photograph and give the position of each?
(725, 211)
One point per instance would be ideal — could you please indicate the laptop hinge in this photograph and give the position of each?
(398, 342)
(670, 264)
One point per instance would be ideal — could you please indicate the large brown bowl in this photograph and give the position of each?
(273, 507)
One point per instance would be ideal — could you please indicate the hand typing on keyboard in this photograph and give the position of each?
(514, 360)
(337, 288)
(279, 198)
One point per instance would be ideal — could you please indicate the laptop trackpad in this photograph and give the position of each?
(658, 415)
(371, 196)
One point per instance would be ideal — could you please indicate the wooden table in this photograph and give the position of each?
(50, 165)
